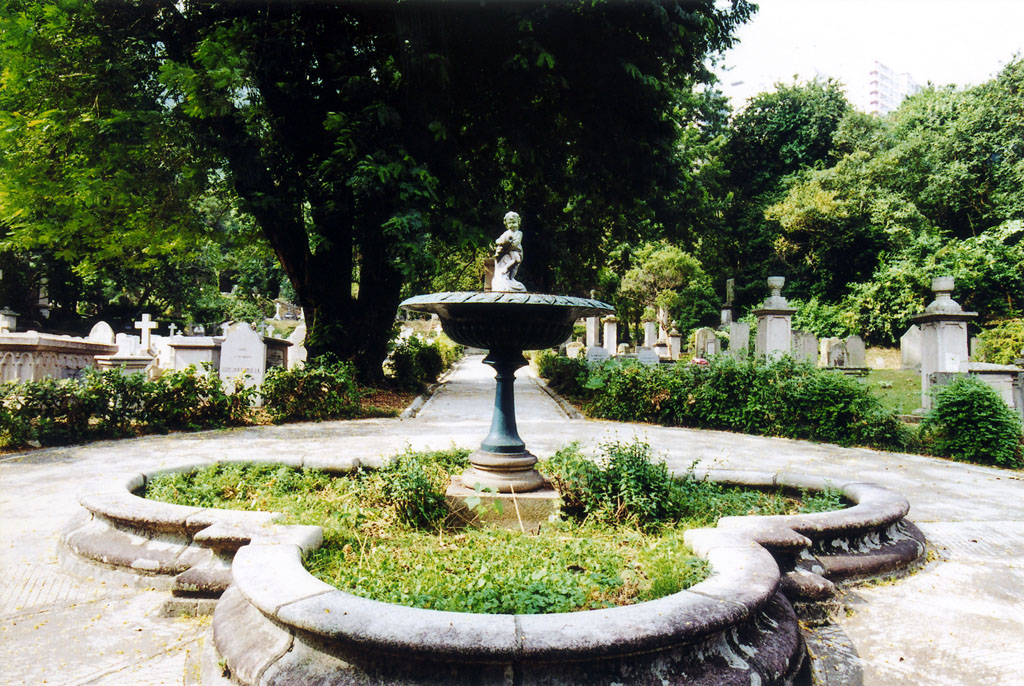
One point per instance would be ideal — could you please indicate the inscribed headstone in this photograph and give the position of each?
(648, 356)
(805, 346)
(856, 354)
(706, 342)
(242, 355)
(739, 339)
(597, 354)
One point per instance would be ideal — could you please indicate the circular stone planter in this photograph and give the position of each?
(277, 624)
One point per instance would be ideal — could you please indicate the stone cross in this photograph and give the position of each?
(172, 329)
(146, 326)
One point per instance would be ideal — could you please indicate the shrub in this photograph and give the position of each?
(49, 411)
(322, 389)
(623, 485)
(413, 485)
(118, 400)
(971, 423)
(1002, 343)
(193, 399)
(567, 375)
(782, 397)
(415, 363)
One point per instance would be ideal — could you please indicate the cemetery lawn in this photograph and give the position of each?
(899, 390)
(369, 551)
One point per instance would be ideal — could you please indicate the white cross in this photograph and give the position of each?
(172, 329)
(146, 326)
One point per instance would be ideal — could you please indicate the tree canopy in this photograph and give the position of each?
(366, 140)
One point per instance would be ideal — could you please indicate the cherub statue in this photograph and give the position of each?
(508, 254)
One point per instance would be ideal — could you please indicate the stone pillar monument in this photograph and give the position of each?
(650, 334)
(943, 336)
(727, 306)
(774, 322)
(675, 344)
(593, 331)
(611, 335)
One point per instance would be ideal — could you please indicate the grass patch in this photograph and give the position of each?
(386, 536)
(898, 390)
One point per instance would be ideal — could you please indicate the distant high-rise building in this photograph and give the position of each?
(888, 89)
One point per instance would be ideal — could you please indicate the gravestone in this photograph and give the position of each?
(910, 348)
(194, 351)
(805, 346)
(675, 344)
(574, 349)
(739, 339)
(102, 333)
(623, 349)
(650, 334)
(611, 334)
(943, 336)
(774, 322)
(146, 326)
(706, 343)
(297, 353)
(856, 352)
(242, 355)
(593, 332)
(277, 352)
(727, 307)
(648, 356)
(597, 355)
(836, 355)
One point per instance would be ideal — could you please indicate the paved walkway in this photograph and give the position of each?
(959, 621)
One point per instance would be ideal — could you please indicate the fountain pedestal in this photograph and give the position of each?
(502, 463)
(505, 324)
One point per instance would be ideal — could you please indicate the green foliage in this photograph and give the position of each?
(970, 422)
(780, 398)
(567, 375)
(932, 189)
(193, 399)
(358, 138)
(323, 388)
(48, 411)
(414, 485)
(112, 404)
(624, 484)
(1002, 343)
(415, 363)
(664, 276)
(823, 319)
(567, 567)
(120, 400)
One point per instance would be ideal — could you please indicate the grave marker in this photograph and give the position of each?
(242, 355)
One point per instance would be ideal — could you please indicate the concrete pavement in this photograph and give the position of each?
(957, 621)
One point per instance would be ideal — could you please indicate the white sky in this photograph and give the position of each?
(964, 42)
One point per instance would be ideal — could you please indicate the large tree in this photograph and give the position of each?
(364, 138)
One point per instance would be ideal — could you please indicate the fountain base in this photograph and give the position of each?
(526, 512)
(503, 472)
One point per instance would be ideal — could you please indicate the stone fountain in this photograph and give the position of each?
(276, 625)
(505, 322)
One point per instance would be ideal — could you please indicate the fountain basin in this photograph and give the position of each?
(505, 324)
(278, 624)
(522, 321)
